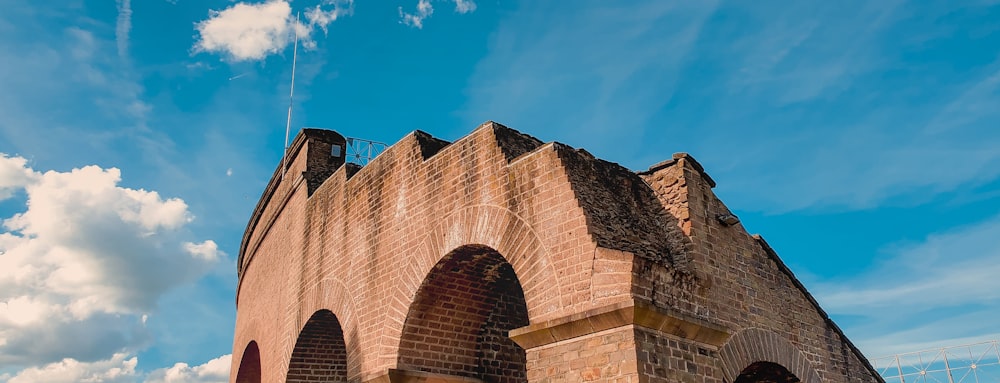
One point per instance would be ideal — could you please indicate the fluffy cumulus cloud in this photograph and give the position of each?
(84, 262)
(425, 10)
(14, 175)
(215, 370)
(122, 368)
(245, 32)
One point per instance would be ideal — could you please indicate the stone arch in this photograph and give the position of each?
(249, 370)
(320, 353)
(459, 320)
(756, 350)
(488, 225)
(332, 295)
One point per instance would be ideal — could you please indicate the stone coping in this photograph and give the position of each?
(617, 315)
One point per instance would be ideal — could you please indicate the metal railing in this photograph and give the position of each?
(975, 362)
(361, 151)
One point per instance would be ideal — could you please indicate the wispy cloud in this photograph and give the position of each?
(949, 269)
(425, 9)
(836, 119)
(73, 65)
(801, 53)
(883, 340)
(909, 153)
(123, 27)
(320, 17)
(464, 6)
(978, 101)
(941, 290)
(600, 70)
(791, 107)
(416, 19)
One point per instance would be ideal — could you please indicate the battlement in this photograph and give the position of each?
(615, 199)
(498, 257)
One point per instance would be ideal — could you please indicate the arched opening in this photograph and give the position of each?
(459, 319)
(249, 371)
(766, 372)
(320, 353)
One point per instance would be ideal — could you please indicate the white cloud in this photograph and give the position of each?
(416, 20)
(793, 84)
(85, 260)
(319, 17)
(55, 69)
(950, 331)
(119, 368)
(215, 370)
(425, 10)
(948, 269)
(253, 31)
(24, 310)
(123, 26)
(600, 72)
(249, 31)
(207, 250)
(14, 175)
(122, 368)
(941, 291)
(464, 6)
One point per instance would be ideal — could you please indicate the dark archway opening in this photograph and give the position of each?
(766, 372)
(320, 354)
(459, 320)
(249, 371)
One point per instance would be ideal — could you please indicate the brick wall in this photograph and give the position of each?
(603, 356)
(739, 282)
(500, 258)
(662, 358)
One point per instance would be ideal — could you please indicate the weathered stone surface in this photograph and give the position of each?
(499, 258)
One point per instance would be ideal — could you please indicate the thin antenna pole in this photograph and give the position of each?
(291, 96)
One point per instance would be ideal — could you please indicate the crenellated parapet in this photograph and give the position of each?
(501, 258)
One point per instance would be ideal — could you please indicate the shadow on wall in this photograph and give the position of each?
(320, 354)
(249, 371)
(766, 372)
(459, 321)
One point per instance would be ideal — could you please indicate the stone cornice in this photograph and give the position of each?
(617, 315)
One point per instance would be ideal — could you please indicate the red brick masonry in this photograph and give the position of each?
(499, 258)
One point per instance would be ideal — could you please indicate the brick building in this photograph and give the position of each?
(499, 258)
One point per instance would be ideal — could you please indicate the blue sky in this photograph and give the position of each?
(862, 139)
